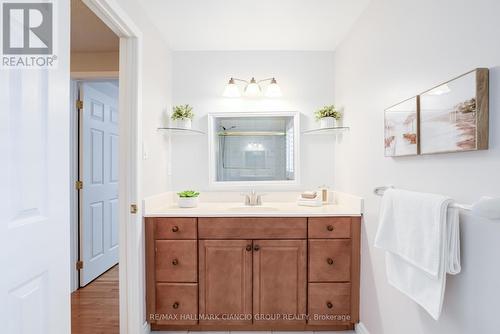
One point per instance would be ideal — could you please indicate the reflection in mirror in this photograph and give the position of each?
(254, 148)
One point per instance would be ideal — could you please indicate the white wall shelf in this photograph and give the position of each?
(327, 131)
(181, 131)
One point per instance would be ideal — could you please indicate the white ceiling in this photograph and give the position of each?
(254, 24)
(88, 32)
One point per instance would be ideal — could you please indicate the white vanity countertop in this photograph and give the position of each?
(277, 205)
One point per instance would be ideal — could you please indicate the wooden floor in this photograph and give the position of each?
(95, 308)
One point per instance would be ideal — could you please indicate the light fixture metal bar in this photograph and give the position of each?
(268, 79)
(242, 80)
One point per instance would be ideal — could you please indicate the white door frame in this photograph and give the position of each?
(131, 247)
(74, 212)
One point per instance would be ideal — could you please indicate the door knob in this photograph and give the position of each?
(175, 229)
(175, 262)
(329, 261)
(249, 248)
(329, 228)
(329, 304)
(256, 248)
(175, 305)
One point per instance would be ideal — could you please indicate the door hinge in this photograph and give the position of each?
(79, 185)
(79, 104)
(79, 265)
(133, 208)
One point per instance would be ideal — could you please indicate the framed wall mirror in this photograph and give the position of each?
(253, 148)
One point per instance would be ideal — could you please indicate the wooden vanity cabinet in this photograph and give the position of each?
(330, 260)
(172, 271)
(241, 273)
(225, 279)
(279, 280)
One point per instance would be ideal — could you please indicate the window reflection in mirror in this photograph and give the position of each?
(254, 148)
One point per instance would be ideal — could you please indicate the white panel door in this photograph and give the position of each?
(34, 194)
(99, 173)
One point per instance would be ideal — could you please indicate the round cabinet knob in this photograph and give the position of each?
(329, 304)
(256, 247)
(175, 262)
(175, 305)
(175, 229)
(249, 248)
(329, 228)
(329, 261)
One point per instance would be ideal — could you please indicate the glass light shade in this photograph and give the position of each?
(273, 90)
(231, 89)
(253, 89)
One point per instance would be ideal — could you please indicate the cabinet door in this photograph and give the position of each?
(279, 282)
(225, 276)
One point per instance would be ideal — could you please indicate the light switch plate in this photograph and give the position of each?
(145, 154)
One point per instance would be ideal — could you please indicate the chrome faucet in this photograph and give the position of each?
(253, 199)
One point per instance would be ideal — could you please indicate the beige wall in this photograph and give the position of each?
(95, 61)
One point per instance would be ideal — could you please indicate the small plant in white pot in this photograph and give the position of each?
(328, 116)
(188, 199)
(182, 116)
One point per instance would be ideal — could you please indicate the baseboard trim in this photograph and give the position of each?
(145, 328)
(360, 328)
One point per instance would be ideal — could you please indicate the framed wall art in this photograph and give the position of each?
(401, 129)
(454, 115)
(450, 117)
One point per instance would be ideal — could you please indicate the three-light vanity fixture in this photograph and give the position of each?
(252, 88)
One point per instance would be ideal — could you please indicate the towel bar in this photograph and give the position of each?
(486, 207)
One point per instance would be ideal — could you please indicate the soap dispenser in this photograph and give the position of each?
(323, 190)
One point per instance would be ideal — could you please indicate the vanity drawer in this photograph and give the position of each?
(176, 261)
(330, 260)
(175, 228)
(252, 228)
(329, 303)
(178, 300)
(329, 227)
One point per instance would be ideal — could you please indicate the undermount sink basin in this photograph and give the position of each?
(253, 208)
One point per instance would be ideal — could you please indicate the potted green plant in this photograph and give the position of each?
(328, 116)
(182, 116)
(188, 199)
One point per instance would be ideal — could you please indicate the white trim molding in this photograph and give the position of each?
(360, 328)
(73, 116)
(130, 101)
(99, 75)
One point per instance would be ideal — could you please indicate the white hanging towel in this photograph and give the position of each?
(420, 234)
